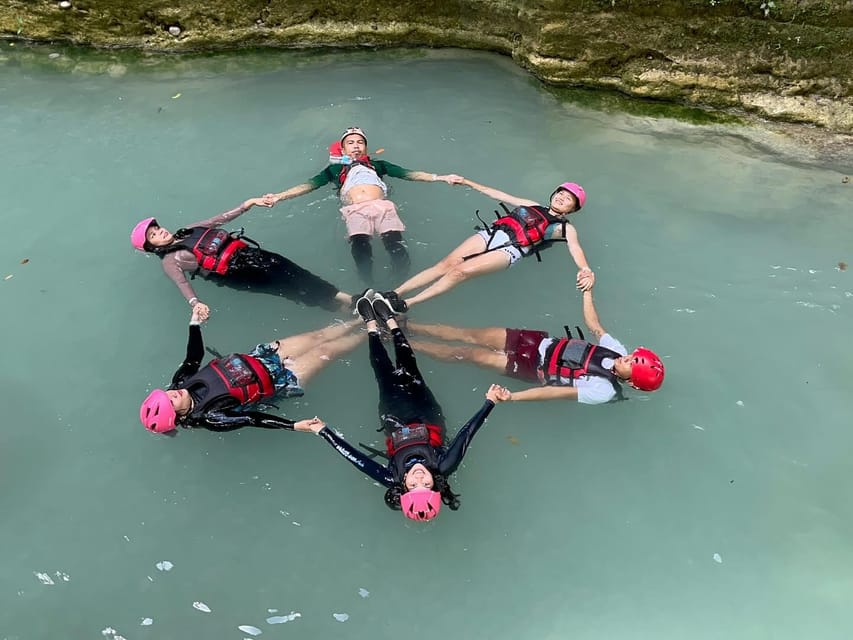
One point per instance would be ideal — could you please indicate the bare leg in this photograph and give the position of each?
(472, 245)
(489, 337)
(484, 263)
(311, 362)
(479, 356)
(303, 342)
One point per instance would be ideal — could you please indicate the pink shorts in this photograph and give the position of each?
(371, 218)
(522, 353)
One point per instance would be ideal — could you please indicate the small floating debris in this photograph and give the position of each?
(845, 179)
(146, 622)
(739, 403)
(718, 558)
(176, 96)
(43, 578)
(164, 565)
(9, 277)
(341, 617)
(364, 593)
(513, 440)
(842, 266)
(64, 4)
(201, 607)
(252, 631)
(282, 619)
(175, 30)
(53, 56)
(26, 260)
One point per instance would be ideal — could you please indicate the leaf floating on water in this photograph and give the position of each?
(252, 631)
(842, 266)
(513, 440)
(25, 261)
(201, 607)
(176, 96)
(341, 617)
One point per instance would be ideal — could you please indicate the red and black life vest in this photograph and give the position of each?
(212, 247)
(527, 226)
(413, 440)
(569, 358)
(237, 376)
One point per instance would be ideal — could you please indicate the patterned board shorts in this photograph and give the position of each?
(285, 381)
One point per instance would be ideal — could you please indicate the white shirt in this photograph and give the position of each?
(359, 175)
(592, 389)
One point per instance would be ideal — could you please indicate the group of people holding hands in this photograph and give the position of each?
(224, 394)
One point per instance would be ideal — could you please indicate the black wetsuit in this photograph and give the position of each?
(404, 394)
(222, 415)
(255, 269)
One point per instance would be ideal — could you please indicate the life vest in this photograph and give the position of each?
(345, 169)
(212, 247)
(237, 376)
(413, 440)
(527, 226)
(571, 358)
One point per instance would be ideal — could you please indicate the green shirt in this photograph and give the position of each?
(332, 173)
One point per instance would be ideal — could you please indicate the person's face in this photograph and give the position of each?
(563, 202)
(354, 145)
(180, 399)
(418, 477)
(623, 366)
(158, 236)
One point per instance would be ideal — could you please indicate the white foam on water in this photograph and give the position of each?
(43, 578)
(164, 565)
(252, 631)
(146, 622)
(341, 617)
(364, 593)
(718, 558)
(283, 619)
(201, 607)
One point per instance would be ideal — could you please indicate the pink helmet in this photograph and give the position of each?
(157, 413)
(576, 190)
(420, 504)
(353, 130)
(647, 370)
(137, 236)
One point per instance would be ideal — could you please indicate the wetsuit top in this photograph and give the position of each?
(448, 459)
(176, 263)
(332, 173)
(222, 414)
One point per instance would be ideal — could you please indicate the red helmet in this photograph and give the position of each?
(157, 413)
(647, 371)
(420, 504)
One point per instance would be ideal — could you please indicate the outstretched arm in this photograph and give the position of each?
(496, 194)
(321, 179)
(230, 419)
(585, 277)
(195, 350)
(228, 216)
(358, 459)
(457, 449)
(590, 315)
(383, 167)
(546, 393)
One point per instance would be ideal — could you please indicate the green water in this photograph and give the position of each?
(715, 508)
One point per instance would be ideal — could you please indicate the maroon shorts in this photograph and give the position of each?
(522, 353)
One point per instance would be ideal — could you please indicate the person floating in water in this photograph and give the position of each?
(567, 368)
(366, 210)
(206, 249)
(221, 395)
(523, 231)
(419, 459)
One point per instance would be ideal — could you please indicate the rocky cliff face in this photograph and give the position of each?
(782, 60)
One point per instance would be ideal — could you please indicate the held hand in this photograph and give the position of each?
(497, 393)
(201, 312)
(451, 178)
(257, 202)
(270, 199)
(585, 280)
(314, 425)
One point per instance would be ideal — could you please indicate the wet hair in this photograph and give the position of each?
(440, 484)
